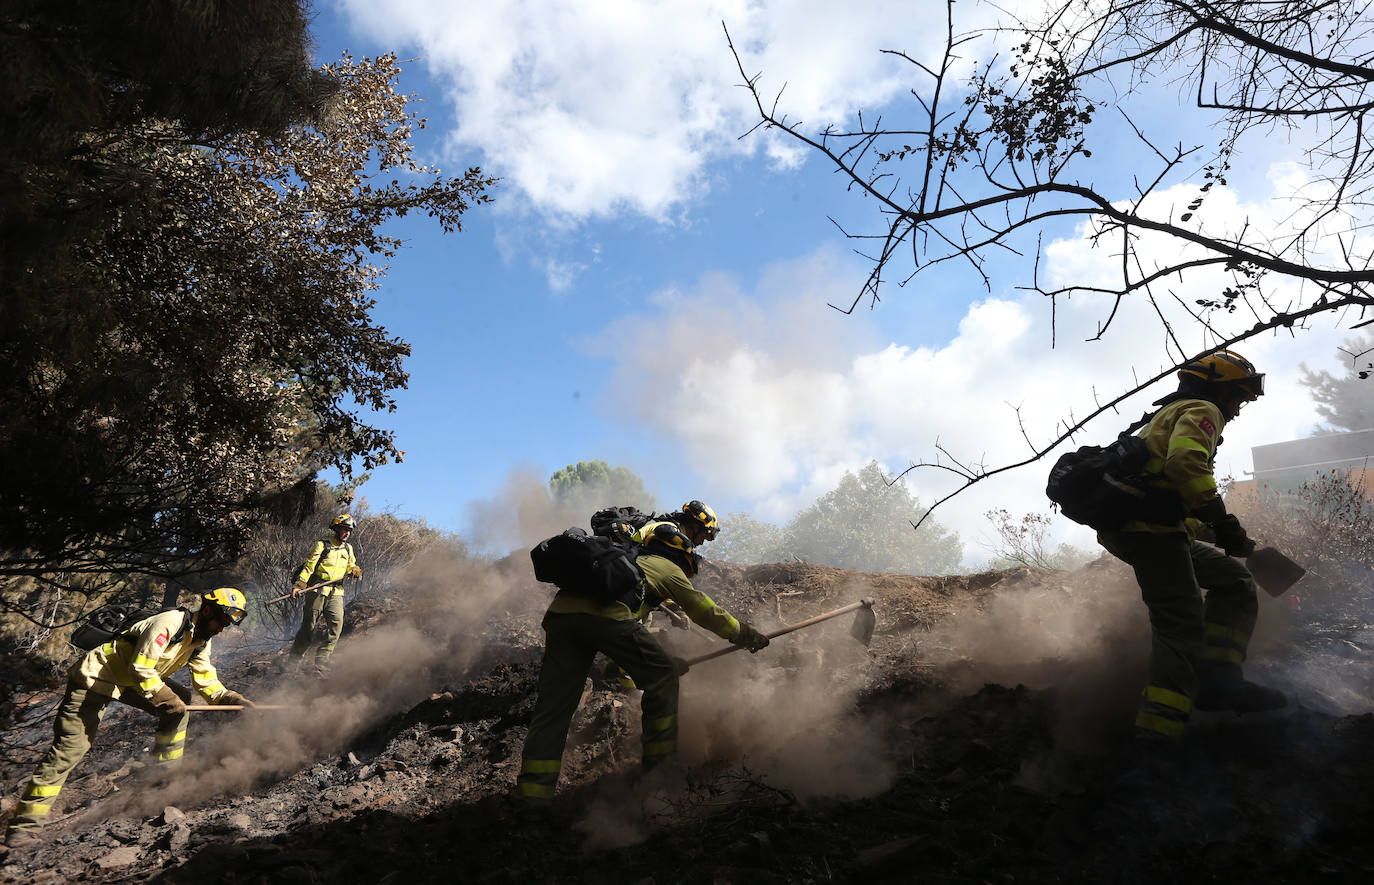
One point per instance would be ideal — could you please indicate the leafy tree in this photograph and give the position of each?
(189, 232)
(746, 540)
(587, 486)
(864, 523)
(994, 162)
(1346, 401)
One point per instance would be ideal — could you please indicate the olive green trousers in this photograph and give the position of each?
(572, 641)
(1186, 630)
(78, 719)
(318, 607)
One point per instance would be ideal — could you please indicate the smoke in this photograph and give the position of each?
(376, 673)
(756, 727)
(1087, 637)
(520, 514)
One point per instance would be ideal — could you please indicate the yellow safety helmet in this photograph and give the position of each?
(343, 520)
(1226, 369)
(700, 513)
(668, 541)
(234, 603)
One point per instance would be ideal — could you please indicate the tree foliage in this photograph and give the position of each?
(189, 231)
(989, 163)
(1346, 401)
(747, 541)
(865, 524)
(591, 485)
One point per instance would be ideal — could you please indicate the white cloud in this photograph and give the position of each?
(591, 108)
(772, 396)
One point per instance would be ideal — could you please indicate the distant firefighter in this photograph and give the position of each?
(330, 561)
(132, 668)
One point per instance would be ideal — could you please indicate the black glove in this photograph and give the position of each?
(680, 666)
(1231, 537)
(233, 697)
(166, 703)
(750, 638)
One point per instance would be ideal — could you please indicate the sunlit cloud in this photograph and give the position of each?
(771, 396)
(595, 108)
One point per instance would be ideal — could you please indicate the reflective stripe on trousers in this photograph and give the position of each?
(572, 642)
(1185, 630)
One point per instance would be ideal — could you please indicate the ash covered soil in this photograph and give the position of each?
(984, 736)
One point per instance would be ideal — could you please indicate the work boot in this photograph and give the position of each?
(1221, 687)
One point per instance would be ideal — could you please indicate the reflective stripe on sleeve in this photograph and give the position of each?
(1196, 486)
(1179, 442)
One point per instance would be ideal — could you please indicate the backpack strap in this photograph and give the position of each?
(185, 626)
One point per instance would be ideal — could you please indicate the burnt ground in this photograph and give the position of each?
(981, 738)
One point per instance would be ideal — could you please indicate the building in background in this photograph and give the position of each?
(1284, 467)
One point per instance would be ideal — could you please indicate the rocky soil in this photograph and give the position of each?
(982, 737)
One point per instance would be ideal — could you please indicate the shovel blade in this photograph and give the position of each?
(864, 622)
(1274, 571)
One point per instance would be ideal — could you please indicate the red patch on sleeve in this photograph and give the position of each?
(161, 640)
(1208, 427)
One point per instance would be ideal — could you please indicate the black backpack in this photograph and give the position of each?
(618, 523)
(108, 622)
(1104, 487)
(591, 565)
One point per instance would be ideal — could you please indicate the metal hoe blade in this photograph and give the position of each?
(1274, 571)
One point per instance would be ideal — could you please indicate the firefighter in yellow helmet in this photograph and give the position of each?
(319, 579)
(577, 627)
(132, 668)
(1198, 644)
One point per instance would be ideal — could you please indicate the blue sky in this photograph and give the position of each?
(650, 290)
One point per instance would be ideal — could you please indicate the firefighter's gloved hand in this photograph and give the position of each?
(166, 703)
(233, 697)
(297, 589)
(1231, 537)
(750, 638)
(355, 572)
(680, 666)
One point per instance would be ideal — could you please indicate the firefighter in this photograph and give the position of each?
(331, 559)
(133, 669)
(577, 627)
(1198, 645)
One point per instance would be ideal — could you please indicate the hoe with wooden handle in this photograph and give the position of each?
(862, 630)
(306, 590)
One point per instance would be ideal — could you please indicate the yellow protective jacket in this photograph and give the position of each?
(666, 580)
(142, 656)
(1182, 438)
(328, 561)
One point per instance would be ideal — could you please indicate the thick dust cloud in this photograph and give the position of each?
(376, 673)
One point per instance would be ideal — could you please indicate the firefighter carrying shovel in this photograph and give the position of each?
(1198, 644)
